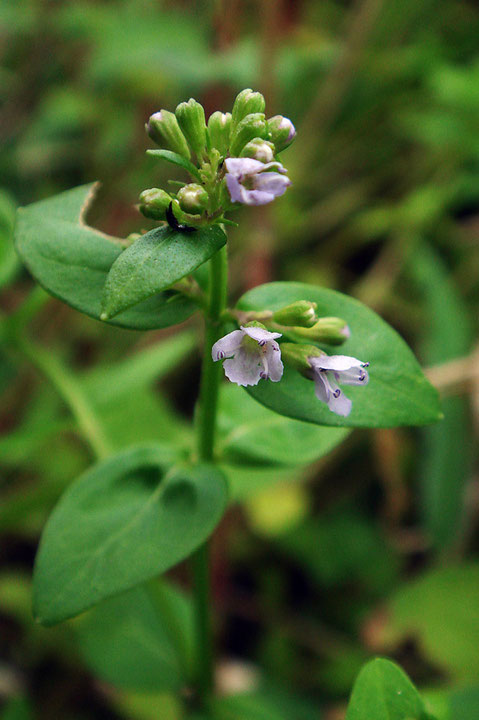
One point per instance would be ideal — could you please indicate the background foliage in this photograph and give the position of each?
(370, 550)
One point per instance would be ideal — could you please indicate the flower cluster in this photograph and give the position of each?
(253, 353)
(232, 158)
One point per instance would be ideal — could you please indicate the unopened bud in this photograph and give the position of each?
(301, 313)
(259, 149)
(219, 129)
(247, 102)
(329, 330)
(154, 203)
(297, 356)
(191, 119)
(193, 199)
(252, 126)
(281, 132)
(163, 129)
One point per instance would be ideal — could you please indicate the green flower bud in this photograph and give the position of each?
(301, 313)
(191, 119)
(330, 330)
(281, 132)
(219, 129)
(193, 199)
(259, 149)
(163, 129)
(154, 203)
(296, 356)
(252, 126)
(247, 102)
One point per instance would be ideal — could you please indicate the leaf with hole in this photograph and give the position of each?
(72, 261)
(121, 523)
(398, 392)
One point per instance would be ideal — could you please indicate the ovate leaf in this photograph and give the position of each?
(156, 261)
(137, 640)
(72, 261)
(121, 523)
(397, 393)
(383, 691)
(253, 435)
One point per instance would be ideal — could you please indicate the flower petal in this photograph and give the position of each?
(260, 334)
(244, 369)
(340, 404)
(273, 183)
(273, 361)
(355, 376)
(340, 363)
(243, 166)
(320, 388)
(227, 345)
(237, 192)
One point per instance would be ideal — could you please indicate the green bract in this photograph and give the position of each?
(72, 261)
(124, 521)
(398, 392)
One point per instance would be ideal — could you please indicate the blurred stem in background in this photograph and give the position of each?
(207, 410)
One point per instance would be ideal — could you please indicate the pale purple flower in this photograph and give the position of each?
(253, 354)
(286, 123)
(250, 182)
(328, 371)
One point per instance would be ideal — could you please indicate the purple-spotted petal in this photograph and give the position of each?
(227, 346)
(244, 369)
(340, 404)
(355, 376)
(272, 358)
(260, 334)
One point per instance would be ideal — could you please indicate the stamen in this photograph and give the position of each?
(261, 343)
(220, 355)
(366, 364)
(362, 376)
(337, 393)
(263, 375)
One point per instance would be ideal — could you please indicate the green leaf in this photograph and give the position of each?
(137, 640)
(439, 610)
(268, 703)
(9, 263)
(382, 691)
(121, 523)
(17, 709)
(156, 261)
(254, 435)
(176, 159)
(72, 261)
(397, 393)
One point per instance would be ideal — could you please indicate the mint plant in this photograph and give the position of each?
(138, 512)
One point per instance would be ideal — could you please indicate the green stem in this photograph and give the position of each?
(68, 388)
(208, 403)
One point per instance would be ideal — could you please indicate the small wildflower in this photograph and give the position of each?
(252, 354)
(248, 183)
(328, 371)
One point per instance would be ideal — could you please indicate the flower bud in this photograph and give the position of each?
(259, 149)
(163, 129)
(301, 313)
(247, 102)
(329, 330)
(154, 203)
(281, 132)
(297, 356)
(252, 126)
(219, 129)
(191, 119)
(193, 199)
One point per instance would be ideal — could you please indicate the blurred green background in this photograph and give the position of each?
(371, 550)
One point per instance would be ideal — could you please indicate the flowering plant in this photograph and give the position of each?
(141, 510)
